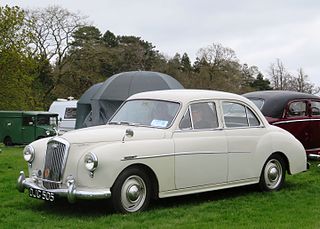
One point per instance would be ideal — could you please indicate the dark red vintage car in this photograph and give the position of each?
(298, 113)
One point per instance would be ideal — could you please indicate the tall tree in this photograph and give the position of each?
(16, 63)
(54, 27)
(110, 39)
(301, 83)
(221, 67)
(260, 83)
(279, 75)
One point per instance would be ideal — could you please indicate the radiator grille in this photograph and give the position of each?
(53, 169)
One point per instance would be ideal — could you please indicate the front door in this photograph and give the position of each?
(200, 148)
(314, 144)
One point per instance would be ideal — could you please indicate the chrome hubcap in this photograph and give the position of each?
(133, 193)
(273, 173)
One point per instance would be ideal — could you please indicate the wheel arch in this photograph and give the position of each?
(285, 160)
(8, 139)
(150, 173)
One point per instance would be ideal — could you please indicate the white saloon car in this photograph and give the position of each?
(161, 144)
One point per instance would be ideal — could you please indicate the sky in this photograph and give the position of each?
(259, 32)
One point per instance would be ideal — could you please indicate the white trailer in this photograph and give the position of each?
(67, 110)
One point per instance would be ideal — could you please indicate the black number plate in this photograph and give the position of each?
(41, 194)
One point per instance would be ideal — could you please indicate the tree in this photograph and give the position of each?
(300, 83)
(281, 79)
(16, 62)
(54, 28)
(279, 76)
(221, 69)
(110, 39)
(86, 35)
(260, 83)
(185, 63)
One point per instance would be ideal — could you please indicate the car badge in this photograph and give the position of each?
(46, 173)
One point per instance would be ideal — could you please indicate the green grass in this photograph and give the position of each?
(297, 205)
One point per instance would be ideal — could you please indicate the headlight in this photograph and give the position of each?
(48, 132)
(28, 153)
(91, 162)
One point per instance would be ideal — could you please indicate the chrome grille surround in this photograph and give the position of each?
(55, 161)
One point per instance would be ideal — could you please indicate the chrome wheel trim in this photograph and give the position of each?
(133, 193)
(273, 174)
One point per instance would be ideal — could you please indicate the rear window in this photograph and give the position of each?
(315, 108)
(297, 108)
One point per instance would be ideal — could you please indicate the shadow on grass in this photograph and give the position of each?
(104, 207)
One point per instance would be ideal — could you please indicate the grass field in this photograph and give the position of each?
(297, 205)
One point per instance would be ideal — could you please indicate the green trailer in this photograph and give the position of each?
(23, 127)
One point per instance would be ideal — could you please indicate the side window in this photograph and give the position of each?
(234, 115)
(204, 116)
(70, 113)
(298, 108)
(315, 108)
(27, 121)
(253, 120)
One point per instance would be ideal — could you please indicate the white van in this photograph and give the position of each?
(67, 110)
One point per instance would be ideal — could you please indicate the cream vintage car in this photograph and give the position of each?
(162, 144)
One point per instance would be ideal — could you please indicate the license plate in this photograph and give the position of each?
(41, 194)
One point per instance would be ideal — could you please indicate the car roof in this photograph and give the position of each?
(276, 100)
(186, 95)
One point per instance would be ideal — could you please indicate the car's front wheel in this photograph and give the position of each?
(131, 191)
(273, 174)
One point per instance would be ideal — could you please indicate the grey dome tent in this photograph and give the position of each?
(100, 101)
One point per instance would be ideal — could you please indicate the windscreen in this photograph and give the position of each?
(151, 113)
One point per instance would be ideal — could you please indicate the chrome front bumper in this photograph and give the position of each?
(71, 192)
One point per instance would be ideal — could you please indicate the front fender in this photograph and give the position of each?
(113, 158)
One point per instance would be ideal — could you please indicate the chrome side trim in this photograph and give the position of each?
(292, 121)
(135, 157)
(314, 149)
(313, 156)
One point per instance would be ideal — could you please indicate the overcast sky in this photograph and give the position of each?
(258, 31)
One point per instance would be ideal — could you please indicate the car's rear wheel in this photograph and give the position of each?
(273, 174)
(131, 192)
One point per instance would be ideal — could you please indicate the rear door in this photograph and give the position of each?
(297, 121)
(243, 130)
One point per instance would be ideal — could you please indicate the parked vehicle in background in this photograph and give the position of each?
(298, 113)
(23, 127)
(67, 112)
(162, 144)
